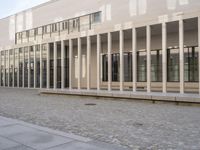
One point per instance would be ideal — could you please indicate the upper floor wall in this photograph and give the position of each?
(113, 12)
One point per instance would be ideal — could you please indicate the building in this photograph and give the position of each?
(108, 45)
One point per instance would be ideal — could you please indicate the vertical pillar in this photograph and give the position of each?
(164, 57)
(148, 59)
(48, 66)
(63, 64)
(18, 68)
(199, 48)
(4, 70)
(29, 67)
(8, 82)
(109, 61)
(23, 51)
(70, 62)
(35, 68)
(134, 58)
(0, 68)
(98, 61)
(181, 59)
(55, 65)
(13, 69)
(79, 63)
(88, 61)
(41, 67)
(121, 51)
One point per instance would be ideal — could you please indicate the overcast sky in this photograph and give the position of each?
(10, 7)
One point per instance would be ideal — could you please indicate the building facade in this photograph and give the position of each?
(108, 45)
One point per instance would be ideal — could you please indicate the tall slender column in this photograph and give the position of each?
(63, 73)
(35, 70)
(29, 67)
(8, 82)
(23, 51)
(121, 51)
(0, 68)
(88, 61)
(41, 67)
(4, 69)
(109, 61)
(134, 58)
(98, 61)
(79, 63)
(164, 57)
(181, 45)
(13, 72)
(55, 65)
(18, 69)
(48, 66)
(199, 48)
(70, 62)
(148, 59)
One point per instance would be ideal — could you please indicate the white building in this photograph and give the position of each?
(108, 45)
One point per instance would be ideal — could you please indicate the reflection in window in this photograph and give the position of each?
(105, 68)
(141, 66)
(44, 66)
(115, 67)
(173, 65)
(21, 67)
(16, 67)
(191, 64)
(156, 66)
(26, 66)
(128, 67)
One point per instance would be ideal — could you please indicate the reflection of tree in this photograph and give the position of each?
(172, 4)
(137, 7)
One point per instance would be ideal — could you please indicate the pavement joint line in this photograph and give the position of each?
(60, 145)
(50, 131)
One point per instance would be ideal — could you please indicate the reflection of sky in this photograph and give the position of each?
(9, 7)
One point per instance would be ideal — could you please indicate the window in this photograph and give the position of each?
(156, 66)
(115, 67)
(105, 68)
(141, 66)
(96, 18)
(191, 64)
(173, 65)
(128, 67)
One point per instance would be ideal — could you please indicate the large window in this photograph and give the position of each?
(44, 65)
(31, 66)
(128, 67)
(26, 66)
(141, 66)
(21, 66)
(173, 65)
(7, 68)
(11, 57)
(37, 63)
(156, 66)
(191, 64)
(105, 67)
(2, 67)
(115, 67)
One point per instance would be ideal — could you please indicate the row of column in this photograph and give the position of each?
(121, 45)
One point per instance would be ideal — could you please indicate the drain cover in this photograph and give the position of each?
(90, 104)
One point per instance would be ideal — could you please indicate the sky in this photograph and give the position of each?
(10, 7)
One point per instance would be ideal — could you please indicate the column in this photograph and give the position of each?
(164, 57)
(23, 51)
(4, 70)
(148, 59)
(134, 58)
(98, 61)
(8, 82)
(79, 63)
(199, 48)
(18, 69)
(70, 62)
(55, 65)
(109, 61)
(29, 69)
(41, 67)
(63, 64)
(35, 68)
(121, 52)
(13, 70)
(88, 61)
(48, 66)
(0, 67)
(181, 45)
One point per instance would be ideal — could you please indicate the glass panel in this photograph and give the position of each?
(156, 66)
(21, 66)
(44, 65)
(31, 67)
(141, 66)
(16, 67)
(11, 68)
(37, 48)
(115, 67)
(173, 65)
(2, 67)
(128, 67)
(26, 66)
(105, 67)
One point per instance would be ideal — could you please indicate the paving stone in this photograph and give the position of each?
(5, 143)
(20, 147)
(32, 137)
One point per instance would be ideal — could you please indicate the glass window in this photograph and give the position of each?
(191, 64)
(141, 66)
(37, 63)
(16, 67)
(96, 18)
(105, 68)
(21, 66)
(173, 65)
(128, 67)
(115, 67)
(44, 65)
(31, 66)
(2, 68)
(156, 66)
(26, 66)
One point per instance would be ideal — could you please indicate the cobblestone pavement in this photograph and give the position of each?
(137, 125)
